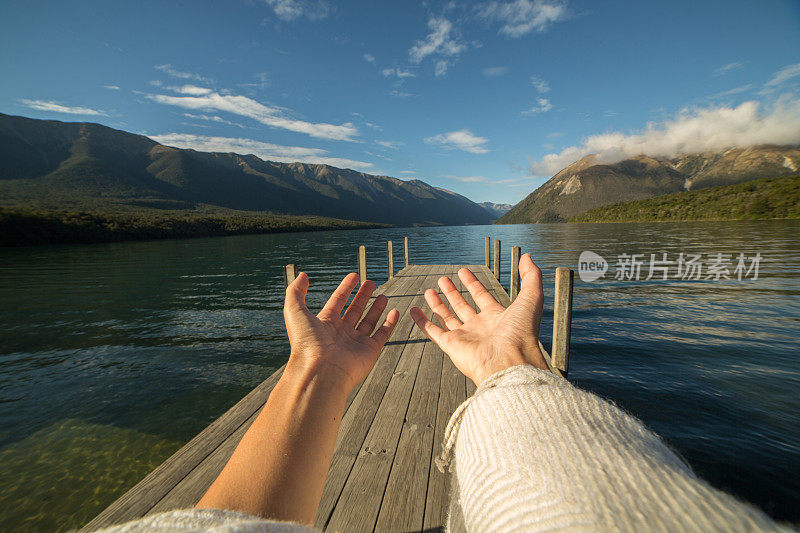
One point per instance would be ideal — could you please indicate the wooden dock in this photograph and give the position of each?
(383, 475)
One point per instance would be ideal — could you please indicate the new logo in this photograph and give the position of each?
(591, 266)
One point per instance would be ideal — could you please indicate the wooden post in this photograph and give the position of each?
(497, 259)
(390, 259)
(362, 263)
(562, 319)
(405, 250)
(513, 285)
(488, 250)
(289, 274)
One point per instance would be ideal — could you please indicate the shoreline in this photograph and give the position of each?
(24, 227)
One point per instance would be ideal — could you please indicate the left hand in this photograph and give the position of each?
(342, 345)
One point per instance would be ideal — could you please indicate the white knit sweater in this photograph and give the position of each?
(534, 453)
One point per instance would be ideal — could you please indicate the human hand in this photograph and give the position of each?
(483, 343)
(330, 343)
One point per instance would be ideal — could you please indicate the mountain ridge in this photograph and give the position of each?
(588, 184)
(81, 165)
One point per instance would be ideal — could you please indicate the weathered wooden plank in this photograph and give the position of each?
(452, 393)
(403, 505)
(405, 251)
(497, 259)
(289, 274)
(389, 259)
(358, 419)
(360, 499)
(487, 250)
(562, 319)
(513, 284)
(362, 264)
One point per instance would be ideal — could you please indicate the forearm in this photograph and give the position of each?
(534, 450)
(278, 469)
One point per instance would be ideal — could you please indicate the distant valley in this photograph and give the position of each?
(496, 210)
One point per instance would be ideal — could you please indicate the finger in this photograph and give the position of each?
(431, 330)
(383, 332)
(440, 310)
(482, 297)
(463, 310)
(530, 293)
(372, 316)
(336, 302)
(359, 303)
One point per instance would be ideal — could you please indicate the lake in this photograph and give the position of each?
(114, 355)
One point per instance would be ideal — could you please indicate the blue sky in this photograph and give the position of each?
(484, 98)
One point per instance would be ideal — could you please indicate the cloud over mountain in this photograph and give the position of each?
(692, 131)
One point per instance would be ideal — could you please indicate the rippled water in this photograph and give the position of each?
(113, 355)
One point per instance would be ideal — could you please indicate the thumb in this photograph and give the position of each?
(295, 300)
(531, 285)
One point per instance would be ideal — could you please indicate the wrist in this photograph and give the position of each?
(307, 373)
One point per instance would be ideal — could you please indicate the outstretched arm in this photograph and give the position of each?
(534, 453)
(278, 469)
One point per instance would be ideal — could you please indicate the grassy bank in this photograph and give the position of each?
(751, 200)
(22, 227)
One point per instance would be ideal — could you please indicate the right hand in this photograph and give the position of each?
(483, 343)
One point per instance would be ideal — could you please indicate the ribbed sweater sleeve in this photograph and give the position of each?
(534, 453)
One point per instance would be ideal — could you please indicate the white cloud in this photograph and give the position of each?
(369, 58)
(55, 107)
(462, 140)
(785, 74)
(520, 17)
(724, 69)
(400, 73)
(271, 116)
(266, 151)
(167, 68)
(543, 105)
(408, 172)
(111, 87)
(292, 9)
(442, 44)
(191, 90)
(394, 145)
(540, 85)
(212, 118)
(731, 92)
(493, 72)
(397, 93)
(692, 131)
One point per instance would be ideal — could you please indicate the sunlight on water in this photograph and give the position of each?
(113, 355)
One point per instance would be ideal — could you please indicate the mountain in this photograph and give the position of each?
(754, 199)
(587, 184)
(496, 210)
(47, 164)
